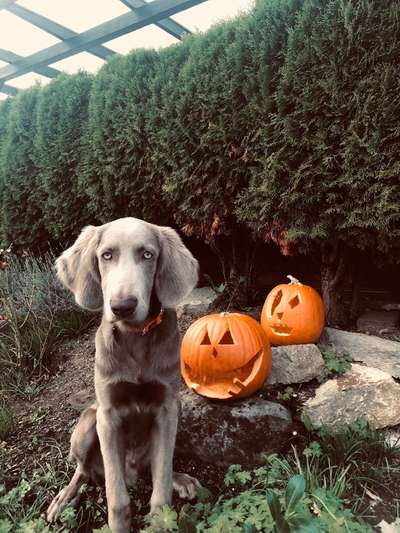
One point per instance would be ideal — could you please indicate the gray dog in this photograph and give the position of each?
(137, 273)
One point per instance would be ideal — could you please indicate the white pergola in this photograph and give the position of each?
(123, 25)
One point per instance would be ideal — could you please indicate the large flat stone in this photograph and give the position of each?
(373, 351)
(224, 433)
(296, 363)
(362, 392)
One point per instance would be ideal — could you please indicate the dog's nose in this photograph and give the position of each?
(123, 308)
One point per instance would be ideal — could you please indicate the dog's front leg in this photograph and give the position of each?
(113, 453)
(162, 453)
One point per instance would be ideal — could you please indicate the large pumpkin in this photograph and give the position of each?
(293, 313)
(225, 356)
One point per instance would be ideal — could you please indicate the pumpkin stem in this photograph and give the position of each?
(293, 280)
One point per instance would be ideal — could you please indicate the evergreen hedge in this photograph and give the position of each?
(281, 124)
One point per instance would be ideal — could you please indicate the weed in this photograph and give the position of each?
(334, 364)
(287, 394)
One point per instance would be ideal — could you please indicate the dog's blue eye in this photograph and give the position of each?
(147, 255)
(107, 256)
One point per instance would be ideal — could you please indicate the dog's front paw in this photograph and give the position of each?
(59, 503)
(186, 486)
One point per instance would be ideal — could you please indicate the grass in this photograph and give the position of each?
(37, 312)
(6, 422)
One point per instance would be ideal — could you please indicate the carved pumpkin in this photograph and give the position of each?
(225, 356)
(293, 313)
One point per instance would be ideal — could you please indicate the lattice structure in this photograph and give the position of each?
(141, 14)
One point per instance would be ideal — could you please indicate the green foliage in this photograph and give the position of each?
(61, 120)
(22, 194)
(22, 508)
(116, 170)
(334, 364)
(329, 172)
(287, 394)
(268, 499)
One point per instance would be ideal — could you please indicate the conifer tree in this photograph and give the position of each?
(62, 117)
(116, 169)
(23, 197)
(329, 174)
(211, 119)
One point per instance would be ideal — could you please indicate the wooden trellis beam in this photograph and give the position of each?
(169, 25)
(147, 14)
(12, 57)
(53, 28)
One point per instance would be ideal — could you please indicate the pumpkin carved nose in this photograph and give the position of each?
(214, 352)
(280, 315)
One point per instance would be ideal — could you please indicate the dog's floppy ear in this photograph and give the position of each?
(177, 269)
(77, 270)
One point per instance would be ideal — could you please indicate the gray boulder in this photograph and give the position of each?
(373, 351)
(223, 433)
(362, 392)
(297, 363)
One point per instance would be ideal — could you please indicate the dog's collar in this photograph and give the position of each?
(154, 322)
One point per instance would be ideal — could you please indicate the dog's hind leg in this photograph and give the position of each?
(68, 496)
(86, 452)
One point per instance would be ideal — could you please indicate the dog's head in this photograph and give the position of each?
(126, 267)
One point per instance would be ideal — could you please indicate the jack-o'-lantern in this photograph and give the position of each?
(293, 313)
(225, 356)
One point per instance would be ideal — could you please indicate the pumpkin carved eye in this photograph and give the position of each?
(294, 301)
(227, 338)
(276, 302)
(206, 340)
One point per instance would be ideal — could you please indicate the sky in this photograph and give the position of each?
(24, 39)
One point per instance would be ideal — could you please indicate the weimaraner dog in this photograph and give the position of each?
(136, 273)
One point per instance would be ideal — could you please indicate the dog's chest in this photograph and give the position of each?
(143, 395)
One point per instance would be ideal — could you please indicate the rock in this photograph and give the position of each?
(376, 321)
(223, 433)
(361, 392)
(296, 363)
(373, 351)
(197, 302)
(392, 306)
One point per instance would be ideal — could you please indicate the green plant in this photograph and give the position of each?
(6, 422)
(287, 394)
(22, 507)
(268, 499)
(335, 364)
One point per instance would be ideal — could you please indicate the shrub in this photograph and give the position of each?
(22, 198)
(329, 175)
(61, 121)
(38, 312)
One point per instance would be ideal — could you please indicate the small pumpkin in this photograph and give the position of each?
(225, 356)
(293, 313)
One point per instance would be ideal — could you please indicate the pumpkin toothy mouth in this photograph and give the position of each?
(233, 380)
(280, 329)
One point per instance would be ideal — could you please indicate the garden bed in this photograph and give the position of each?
(46, 410)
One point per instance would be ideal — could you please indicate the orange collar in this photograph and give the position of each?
(153, 323)
(147, 328)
